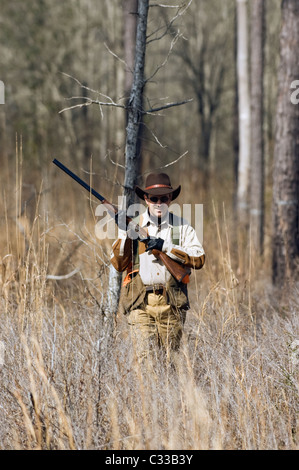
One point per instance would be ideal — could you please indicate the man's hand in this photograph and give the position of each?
(155, 244)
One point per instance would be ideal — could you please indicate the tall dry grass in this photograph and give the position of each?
(235, 385)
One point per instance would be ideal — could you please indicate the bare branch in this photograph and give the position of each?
(66, 276)
(181, 10)
(175, 161)
(163, 6)
(117, 57)
(154, 136)
(166, 106)
(114, 163)
(172, 44)
(89, 101)
(80, 84)
(110, 101)
(167, 165)
(81, 105)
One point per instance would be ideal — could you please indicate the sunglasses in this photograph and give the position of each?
(155, 199)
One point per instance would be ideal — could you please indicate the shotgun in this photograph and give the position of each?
(180, 273)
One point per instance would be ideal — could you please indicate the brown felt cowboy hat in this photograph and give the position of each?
(158, 184)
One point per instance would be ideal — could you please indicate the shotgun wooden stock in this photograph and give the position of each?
(179, 271)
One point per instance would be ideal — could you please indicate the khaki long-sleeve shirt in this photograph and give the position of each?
(152, 271)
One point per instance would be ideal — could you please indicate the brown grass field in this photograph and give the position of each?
(64, 385)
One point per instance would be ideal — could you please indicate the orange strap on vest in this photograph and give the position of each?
(128, 277)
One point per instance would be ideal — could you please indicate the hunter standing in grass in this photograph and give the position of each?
(155, 302)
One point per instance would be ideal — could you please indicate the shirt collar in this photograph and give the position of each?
(148, 220)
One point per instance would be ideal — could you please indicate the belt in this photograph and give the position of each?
(156, 289)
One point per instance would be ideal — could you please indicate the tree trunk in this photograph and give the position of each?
(235, 135)
(257, 142)
(130, 8)
(286, 152)
(244, 111)
(135, 108)
(130, 11)
(134, 117)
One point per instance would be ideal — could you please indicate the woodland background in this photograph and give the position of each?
(69, 378)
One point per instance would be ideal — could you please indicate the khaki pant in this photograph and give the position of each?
(158, 324)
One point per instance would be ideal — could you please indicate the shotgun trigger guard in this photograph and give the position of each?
(155, 244)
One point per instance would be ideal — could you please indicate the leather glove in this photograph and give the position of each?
(120, 219)
(155, 244)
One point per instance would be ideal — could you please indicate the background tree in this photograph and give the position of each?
(244, 110)
(257, 36)
(59, 42)
(286, 153)
(205, 74)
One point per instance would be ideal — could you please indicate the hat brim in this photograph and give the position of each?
(158, 192)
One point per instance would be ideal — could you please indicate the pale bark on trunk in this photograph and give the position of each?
(286, 153)
(244, 110)
(257, 142)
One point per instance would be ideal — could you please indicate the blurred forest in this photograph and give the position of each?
(47, 48)
(64, 53)
(67, 70)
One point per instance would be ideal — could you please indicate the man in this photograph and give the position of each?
(155, 302)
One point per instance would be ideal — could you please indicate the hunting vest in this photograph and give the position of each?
(134, 291)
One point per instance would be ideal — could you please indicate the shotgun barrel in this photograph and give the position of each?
(76, 178)
(181, 273)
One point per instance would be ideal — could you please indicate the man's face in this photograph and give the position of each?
(158, 205)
